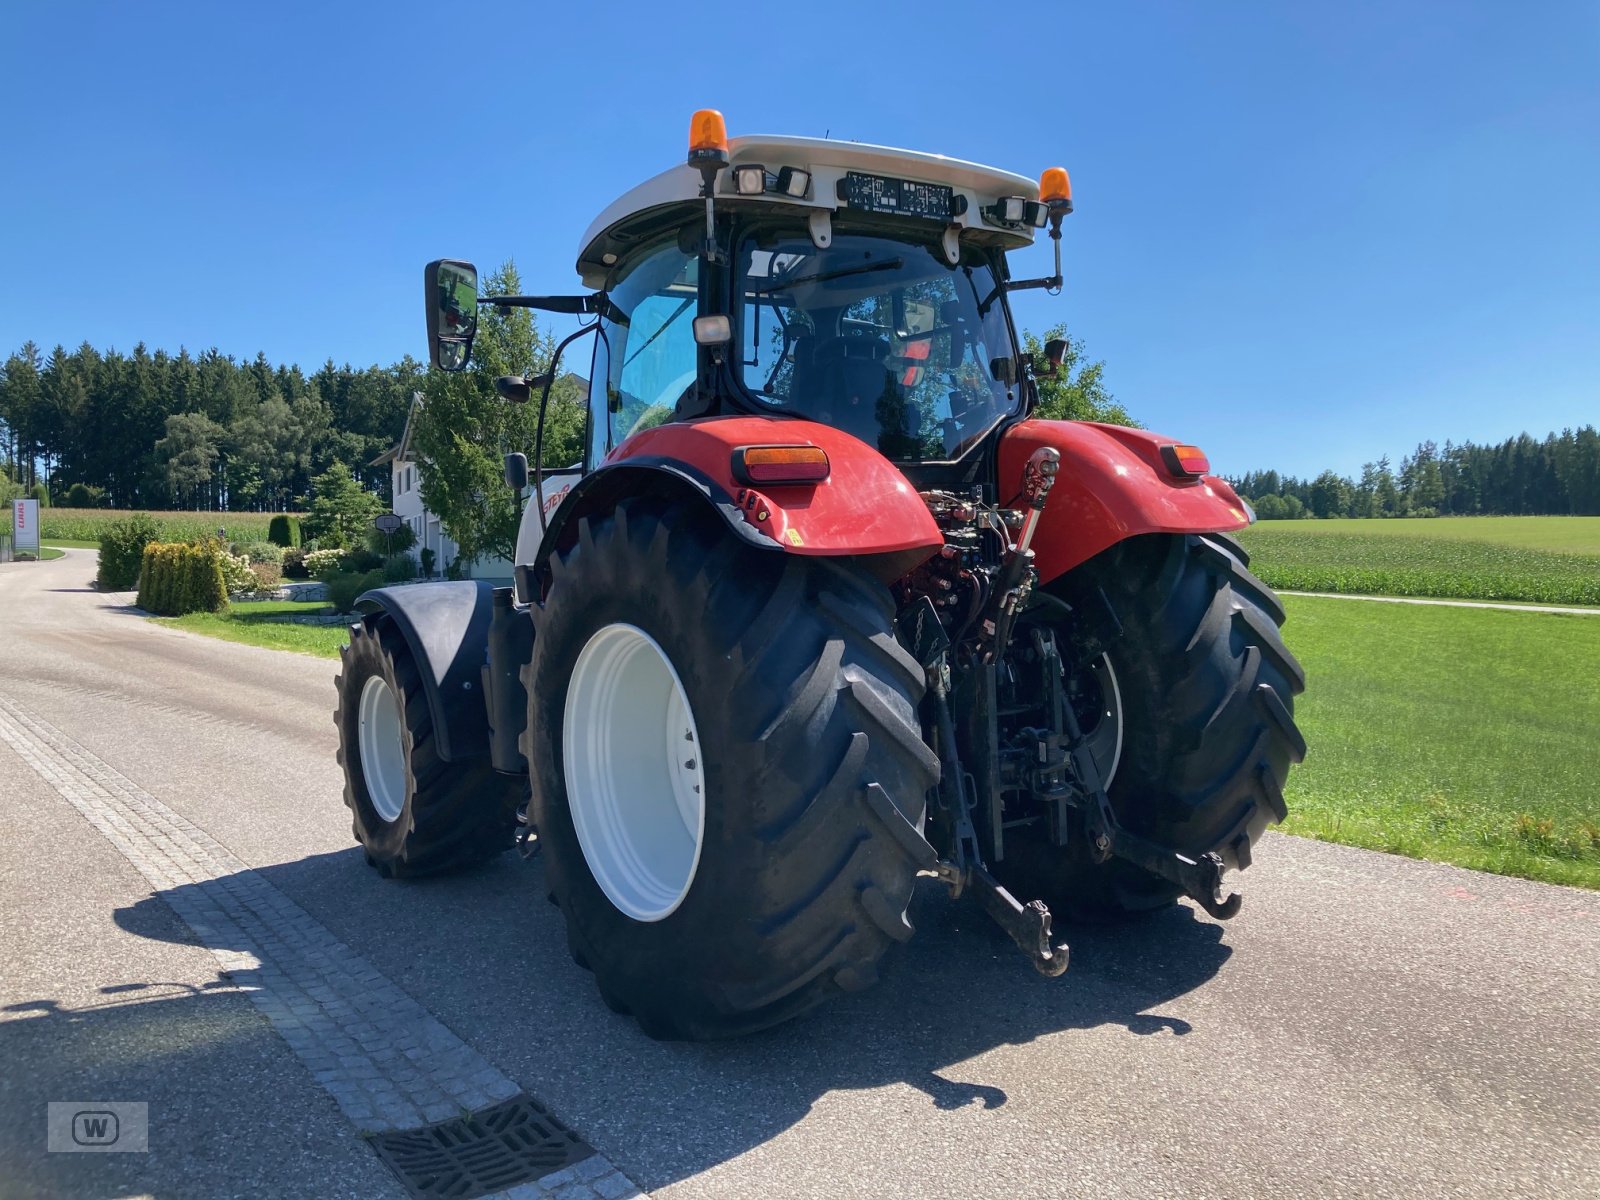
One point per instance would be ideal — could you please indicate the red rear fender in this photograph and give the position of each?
(1112, 485)
(865, 507)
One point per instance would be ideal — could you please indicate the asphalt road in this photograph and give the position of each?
(1367, 1026)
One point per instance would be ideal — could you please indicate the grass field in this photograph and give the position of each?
(250, 621)
(1545, 560)
(1463, 735)
(83, 525)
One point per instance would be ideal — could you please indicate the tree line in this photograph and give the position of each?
(1559, 476)
(208, 431)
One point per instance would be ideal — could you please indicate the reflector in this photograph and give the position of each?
(780, 464)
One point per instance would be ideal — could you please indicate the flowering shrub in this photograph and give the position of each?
(236, 573)
(321, 563)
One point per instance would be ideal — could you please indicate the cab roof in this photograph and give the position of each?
(828, 161)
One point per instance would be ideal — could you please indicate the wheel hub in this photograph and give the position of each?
(634, 771)
(383, 751)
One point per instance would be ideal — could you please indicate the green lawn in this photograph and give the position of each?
(1463, 735)
(250, 621)
(1544, 560)
(70, 543)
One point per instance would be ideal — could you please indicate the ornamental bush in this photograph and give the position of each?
(122, 546)
(294, 564)
(181, 577)
(268, 576)
(284, 530)
(402, 568)
(344, 587)
(398, 542)
(263, 552)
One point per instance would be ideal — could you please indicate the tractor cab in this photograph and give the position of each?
(858, 287)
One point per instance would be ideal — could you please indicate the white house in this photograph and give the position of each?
(407, 492)
(406, 488)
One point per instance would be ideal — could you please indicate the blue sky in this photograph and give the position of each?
(1306, 234)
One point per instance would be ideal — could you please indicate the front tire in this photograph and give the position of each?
(777, 680)
(414, 813)
(1204, 689)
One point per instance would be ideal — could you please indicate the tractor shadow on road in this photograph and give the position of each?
(486, 954)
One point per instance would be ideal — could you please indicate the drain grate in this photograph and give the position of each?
(489, 1150)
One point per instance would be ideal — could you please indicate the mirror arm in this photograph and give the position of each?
(575, 305)
(1051, 282)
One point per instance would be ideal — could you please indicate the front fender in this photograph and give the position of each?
(1112, 485)
(446, 627)
(865, 508)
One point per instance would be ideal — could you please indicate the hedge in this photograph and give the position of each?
(180, 577)
(122, 546)
(284, 530)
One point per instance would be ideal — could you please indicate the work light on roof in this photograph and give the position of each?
(750, 180)
(792, 181)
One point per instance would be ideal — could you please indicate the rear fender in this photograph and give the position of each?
(446, 627)
(1112, 485)
(865, 509)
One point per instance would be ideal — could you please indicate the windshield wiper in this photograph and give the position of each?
(665, 325)
(888, 264)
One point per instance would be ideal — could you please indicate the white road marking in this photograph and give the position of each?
(388, 1063)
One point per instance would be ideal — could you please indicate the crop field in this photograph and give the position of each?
(1545, 560)
(83, 525)
(1461, 735)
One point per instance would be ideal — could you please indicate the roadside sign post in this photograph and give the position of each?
(25, 526)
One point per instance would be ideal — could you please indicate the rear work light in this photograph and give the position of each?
(1186, 462)
(780, 464)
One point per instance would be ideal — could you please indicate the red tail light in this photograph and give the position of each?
(1186, 462)
(780, 464)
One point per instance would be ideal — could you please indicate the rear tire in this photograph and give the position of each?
(1206, 691)
(414, 813)
(802, 722)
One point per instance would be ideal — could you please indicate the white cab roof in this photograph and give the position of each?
(828, 161)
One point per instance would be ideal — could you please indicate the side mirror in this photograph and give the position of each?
(451, 295)
(1004, 371)
(517, 472)
(1054, 351)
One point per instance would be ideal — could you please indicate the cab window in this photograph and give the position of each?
(645, 354)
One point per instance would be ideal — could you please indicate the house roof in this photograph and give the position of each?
(401, 450)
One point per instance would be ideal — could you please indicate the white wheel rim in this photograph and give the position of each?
(383, 751)
(634, 772)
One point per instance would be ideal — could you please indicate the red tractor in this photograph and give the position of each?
(824, 608)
